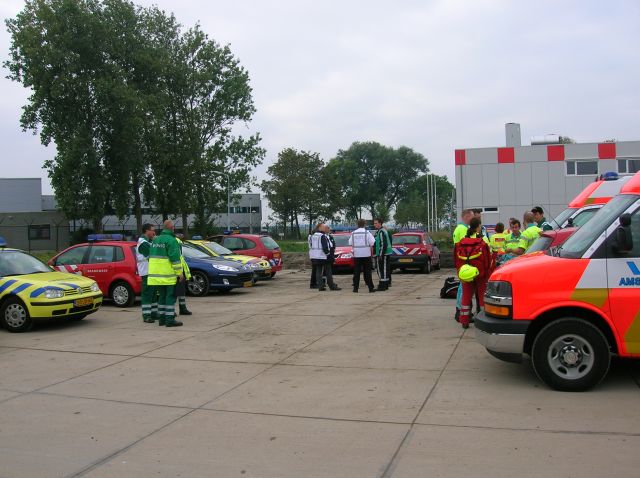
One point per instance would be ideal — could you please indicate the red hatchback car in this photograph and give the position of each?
(111, 263)
(253, 245)
(414, 249)
(344, 252)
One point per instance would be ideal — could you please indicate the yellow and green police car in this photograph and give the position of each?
(260, 267)
(30, 291)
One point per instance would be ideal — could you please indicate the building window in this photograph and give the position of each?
(39, 231)
(255, 209)
(582, 168)
(487, 209)
(628, 166)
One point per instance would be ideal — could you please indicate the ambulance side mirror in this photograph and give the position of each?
(623, 242)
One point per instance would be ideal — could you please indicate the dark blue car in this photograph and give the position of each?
(214, 273)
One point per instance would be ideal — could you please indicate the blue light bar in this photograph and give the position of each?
(105, 237)
(610, 176)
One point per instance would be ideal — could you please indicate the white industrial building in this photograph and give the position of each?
(507, 181)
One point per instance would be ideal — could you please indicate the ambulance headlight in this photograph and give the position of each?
(498, 299)
(53, 293)
(94, 287)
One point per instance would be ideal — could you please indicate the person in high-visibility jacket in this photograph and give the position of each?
(497, 242)
(181, 286)
(529, 235)
(165, 270)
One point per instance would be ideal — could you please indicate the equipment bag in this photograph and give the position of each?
(450, 288)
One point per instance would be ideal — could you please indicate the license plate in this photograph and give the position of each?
(405, 260)
(247, 284)
(83, 302)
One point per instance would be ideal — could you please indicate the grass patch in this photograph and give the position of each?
(293, 246)
(44, 256)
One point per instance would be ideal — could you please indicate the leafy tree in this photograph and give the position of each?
(414, 209)
(300, 185)
(375, 177)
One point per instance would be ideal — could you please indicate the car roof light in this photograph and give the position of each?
(105, 237)
(610, 176)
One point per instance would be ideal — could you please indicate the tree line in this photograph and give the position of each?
(140, 109)
(366, 177)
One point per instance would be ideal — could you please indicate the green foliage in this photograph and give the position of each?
(375, 177)
(300, 185)
(413, 209)
(134, 106)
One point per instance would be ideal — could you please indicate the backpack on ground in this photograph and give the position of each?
(450, 288)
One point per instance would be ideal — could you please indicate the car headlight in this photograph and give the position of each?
(53, 293)
(347, 255)
(94, 287)
(224, 268)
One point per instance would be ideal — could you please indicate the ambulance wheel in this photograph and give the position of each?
(198, 285)
(122, 294)
(571, 355)
(15, 316)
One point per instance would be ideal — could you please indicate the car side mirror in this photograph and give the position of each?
(570, 222)
(623, 241)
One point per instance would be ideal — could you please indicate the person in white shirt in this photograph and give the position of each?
(362, 241)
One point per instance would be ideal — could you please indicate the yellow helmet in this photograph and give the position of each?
(467, 273)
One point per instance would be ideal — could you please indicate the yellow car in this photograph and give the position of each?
(30, 291)
(261, 268)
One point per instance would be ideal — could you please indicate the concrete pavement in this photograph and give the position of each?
(283, 381)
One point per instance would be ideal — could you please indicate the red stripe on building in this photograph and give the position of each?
(607, 151)
(506, 155)
(461, 157)
(555, 152)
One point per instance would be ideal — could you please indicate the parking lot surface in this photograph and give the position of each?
(282, 381)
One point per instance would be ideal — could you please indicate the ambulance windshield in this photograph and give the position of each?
(583, 238)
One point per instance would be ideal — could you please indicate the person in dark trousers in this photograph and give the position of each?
(383, 251)
(312, 282)
(329, 248)
(181, 286)
(362, 241)
(148, 295)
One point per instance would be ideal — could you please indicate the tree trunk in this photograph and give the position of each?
(185, 225)
(137, 205)
(297, 235)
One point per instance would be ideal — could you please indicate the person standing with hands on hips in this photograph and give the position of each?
(362, 241)
(165, 270)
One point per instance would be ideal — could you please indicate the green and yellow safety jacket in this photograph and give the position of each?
(185, 266)
(529, 236)
(164, 260)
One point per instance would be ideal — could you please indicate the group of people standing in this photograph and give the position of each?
(164, 274)
(476, 254)
(369, 251)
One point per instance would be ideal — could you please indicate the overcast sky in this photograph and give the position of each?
(431, 75)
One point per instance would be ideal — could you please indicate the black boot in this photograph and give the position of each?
(334, 287)
(174, 323)
(185, 311)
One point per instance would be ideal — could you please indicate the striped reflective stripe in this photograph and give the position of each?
(468, 258)
(7, 284)
(20, 288)
(37, 292)
(170, 276)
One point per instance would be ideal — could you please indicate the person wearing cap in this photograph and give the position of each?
(541, 221)
(474, 262)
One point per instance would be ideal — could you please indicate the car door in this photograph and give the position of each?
(623, 275)
(72, 260)
(100, 265)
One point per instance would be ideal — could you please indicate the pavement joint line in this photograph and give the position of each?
(105, 459)
(73, 352)
(392, 463)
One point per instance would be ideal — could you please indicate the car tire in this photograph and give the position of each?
(273, 274)
(426, 268)
(437, 267)
(198, 285)
(15, 316)
(122, 295)
(571, 355)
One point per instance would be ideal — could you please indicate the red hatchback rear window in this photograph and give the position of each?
(269, 243)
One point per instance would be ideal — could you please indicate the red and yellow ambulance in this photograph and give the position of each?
(572, 311)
